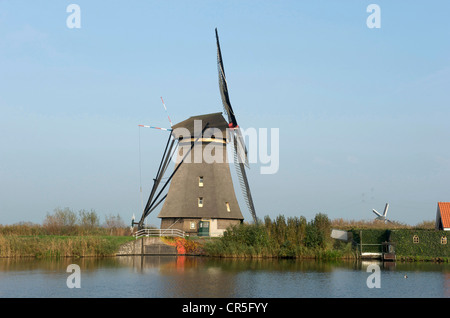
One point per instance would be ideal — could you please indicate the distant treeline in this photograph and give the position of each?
(67, 222)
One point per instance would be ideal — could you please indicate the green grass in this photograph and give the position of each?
(60, 246)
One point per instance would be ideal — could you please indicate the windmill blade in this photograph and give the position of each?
(165, 160)
(240, 151)
(239, 147)
(224, 87)
(386, 209)
(375, 211)
(154, 127)
(243, 181)
(152, 202)
(165, 108)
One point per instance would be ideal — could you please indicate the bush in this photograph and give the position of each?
(285, 238)
(318, 232)
(62, 221)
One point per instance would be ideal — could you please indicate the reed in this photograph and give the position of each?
(282, 237)
(60, 246)
(377, 224)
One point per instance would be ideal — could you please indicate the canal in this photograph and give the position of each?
(200, 277)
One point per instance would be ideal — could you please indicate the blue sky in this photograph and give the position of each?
(362, 113)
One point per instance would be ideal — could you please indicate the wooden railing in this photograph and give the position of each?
(159, 232)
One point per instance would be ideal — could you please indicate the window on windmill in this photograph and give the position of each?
(200, 202)
(444, 240)
(228, 206)
(192, 225)
(200, 182)
(415, 239)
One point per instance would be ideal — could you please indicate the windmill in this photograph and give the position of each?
(201, 198)
(382, 217)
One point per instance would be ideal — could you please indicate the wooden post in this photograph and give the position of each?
(360, 241)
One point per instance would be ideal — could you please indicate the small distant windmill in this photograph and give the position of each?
(382, 217)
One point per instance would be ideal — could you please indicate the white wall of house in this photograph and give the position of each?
(213, 230)
(439, 221)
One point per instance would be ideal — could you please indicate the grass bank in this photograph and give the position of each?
(60, 246)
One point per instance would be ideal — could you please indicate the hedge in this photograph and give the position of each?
(370, 236)
(429, 243)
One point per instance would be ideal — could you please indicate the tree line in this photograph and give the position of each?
(65, 221)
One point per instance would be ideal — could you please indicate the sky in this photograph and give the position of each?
(362, 113)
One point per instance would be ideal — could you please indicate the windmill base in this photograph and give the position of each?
(199, 226)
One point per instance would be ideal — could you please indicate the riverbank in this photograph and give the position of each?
(291, 237)
(295, 238)
(39, 246)
(54, 246)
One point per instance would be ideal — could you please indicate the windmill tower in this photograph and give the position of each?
(201, 198)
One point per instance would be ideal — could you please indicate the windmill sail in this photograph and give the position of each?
(377, 213)
(152, 202)
(224, 87)
(243, 181)
(168, 153)
(240, 150)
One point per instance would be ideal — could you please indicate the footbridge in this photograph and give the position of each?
(150, 242)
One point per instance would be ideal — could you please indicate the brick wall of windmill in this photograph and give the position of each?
(185, 224)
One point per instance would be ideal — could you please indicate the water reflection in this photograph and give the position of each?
(182, 263)
(55, 264)
(190, 277)
(447, 285)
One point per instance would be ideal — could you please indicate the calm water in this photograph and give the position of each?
(192, 277)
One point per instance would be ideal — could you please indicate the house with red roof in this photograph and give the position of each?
(443, 216)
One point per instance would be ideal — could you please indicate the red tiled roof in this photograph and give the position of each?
(444, 208)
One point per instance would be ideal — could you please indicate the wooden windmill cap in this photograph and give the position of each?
(194, 125)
